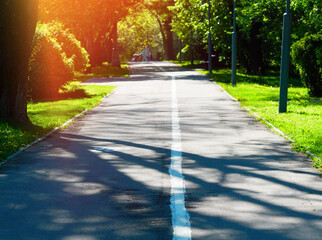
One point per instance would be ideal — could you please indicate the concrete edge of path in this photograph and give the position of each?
(275, 129)
(21, 150)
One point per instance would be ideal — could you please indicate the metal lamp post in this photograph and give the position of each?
(209, 41)
(285, 59)
(234, 48)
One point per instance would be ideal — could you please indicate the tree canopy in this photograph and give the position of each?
(259, 27)
(138, 29)
(94, 23)
(91, 21)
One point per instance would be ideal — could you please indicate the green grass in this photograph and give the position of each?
(103, 71)
(303, 120)
(50, 113)
(45, 116)
(187, 64)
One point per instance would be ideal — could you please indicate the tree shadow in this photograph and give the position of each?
(74, 186)
(80, 194)
(78, 93)
(91, 192)
(272, 79)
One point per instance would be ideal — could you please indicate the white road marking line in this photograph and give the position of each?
(180, 216)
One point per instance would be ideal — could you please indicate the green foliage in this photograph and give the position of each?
(259, 29)
(138, 29)
(91, 21)
(307, 56)
(306, 18)
(49, 66)
(191, 25)
(55, 55)
(70, 45)
(160, 10)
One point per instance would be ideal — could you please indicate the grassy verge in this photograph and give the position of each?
(45, 116)
(187, 64)
(103, 71)
(303, 119)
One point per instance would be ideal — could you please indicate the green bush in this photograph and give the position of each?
(49, 66)
(307, 57)
(70, 45)
(56, 53)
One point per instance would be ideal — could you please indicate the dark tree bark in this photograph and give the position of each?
(93, 47)
(115, 52)
(108, 50)
(166, 33)
(168, 46)
(17, 27)
(191, 48)
(256, 51)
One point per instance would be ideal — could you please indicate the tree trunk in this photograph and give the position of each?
(93, 48)
(168, 48)
(115, 52)
(191, 47)
(17, 27)
(108, 50)
(256, 52)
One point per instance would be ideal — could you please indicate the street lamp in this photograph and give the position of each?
(234, 48)
(209, 40)
(285, 59)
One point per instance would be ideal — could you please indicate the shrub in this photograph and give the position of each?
(56, 53)
(307, 57)
(70, 45)
(49, 67)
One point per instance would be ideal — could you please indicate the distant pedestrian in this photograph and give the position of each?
(144, 54)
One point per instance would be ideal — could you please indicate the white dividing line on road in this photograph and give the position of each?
(180, 216)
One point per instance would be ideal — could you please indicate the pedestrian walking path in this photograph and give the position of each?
(168, 156)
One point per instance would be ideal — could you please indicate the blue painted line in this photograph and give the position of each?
(180, 216)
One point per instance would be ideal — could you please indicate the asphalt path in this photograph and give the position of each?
(168, 156)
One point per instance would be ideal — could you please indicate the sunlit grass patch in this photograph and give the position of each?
(45, 116)
(303, 120)
(50, 113)
(103, 71)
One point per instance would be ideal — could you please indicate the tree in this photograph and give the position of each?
(259, 32)
(160, 10)
(259, 28)
(17, 26)
(138, 29)
(307, 56)
(191, 25)
(93, 22)
(307, 18)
